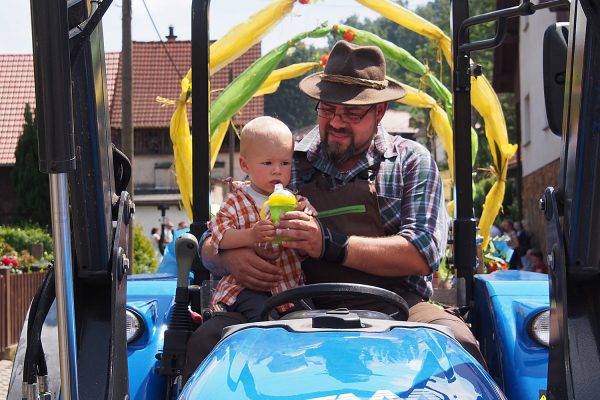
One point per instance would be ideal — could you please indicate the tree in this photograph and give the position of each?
(31, 186)
(144, 256)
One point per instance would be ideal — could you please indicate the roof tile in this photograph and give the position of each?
(17, 88)
(153, 75)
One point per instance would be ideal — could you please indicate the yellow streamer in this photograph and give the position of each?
(291, 71)
(439, 119)
(411, 21)
(217, 141)
(483, 98)
(182, 145)
(246, 34)
(485, 101)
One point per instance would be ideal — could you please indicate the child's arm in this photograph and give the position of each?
(262, 231)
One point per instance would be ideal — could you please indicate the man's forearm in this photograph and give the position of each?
(386, 256)
(211, 260)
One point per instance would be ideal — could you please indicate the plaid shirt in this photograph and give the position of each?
(409, 190)
(239, 211)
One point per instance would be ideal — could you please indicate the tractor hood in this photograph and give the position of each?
(386, 360)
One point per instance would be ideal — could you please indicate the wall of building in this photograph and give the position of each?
(539, 145)
(147, 173)
(534, 185)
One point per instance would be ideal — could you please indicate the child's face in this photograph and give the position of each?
(268, 163)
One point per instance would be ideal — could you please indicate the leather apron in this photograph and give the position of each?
(352, 209)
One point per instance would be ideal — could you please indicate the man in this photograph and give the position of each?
(385, 221)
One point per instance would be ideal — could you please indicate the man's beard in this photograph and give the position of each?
(336, 152)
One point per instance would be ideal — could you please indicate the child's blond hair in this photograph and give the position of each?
(263, 129)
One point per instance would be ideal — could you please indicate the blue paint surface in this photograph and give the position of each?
(151, 296)
(505, 302)
(273, 363)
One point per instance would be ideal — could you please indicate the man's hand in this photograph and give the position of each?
(249, 269)
(307, 208)
(304, 229)
(263, 231)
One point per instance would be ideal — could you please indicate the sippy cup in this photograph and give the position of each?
(279, 202)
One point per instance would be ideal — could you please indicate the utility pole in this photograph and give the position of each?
(127, 103)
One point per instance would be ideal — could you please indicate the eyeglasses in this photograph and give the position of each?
(351, 118)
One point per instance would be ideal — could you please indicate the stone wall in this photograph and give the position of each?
(534, 185)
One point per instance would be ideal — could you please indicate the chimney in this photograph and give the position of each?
(171, 37)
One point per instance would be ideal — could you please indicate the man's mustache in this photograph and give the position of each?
(342, 131)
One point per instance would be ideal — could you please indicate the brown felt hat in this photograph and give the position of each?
(353, 75)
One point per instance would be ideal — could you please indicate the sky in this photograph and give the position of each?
(15, 26)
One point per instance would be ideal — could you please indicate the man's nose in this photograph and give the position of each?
(337, 121)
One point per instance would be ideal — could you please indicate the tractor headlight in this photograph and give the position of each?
(539, 328)
(134, 325)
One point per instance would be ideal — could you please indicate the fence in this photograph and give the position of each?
(16, 293)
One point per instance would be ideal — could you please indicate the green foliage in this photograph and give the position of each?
(31, 186)
(144, 256)
(22, 238)
(16, 245)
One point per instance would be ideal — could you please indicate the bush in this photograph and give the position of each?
(144, 256)
(16, 245)
(22, 238)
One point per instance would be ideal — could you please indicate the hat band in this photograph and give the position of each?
(350, 80)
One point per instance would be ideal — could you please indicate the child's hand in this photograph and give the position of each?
(263, 231)
(305, 206)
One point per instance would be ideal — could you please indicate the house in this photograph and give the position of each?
(539, 148)
(157, 70)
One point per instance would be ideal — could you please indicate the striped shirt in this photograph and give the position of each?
(239, 211)
(409, 190)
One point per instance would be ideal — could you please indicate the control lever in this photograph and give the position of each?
(186, 248)
(176, 336)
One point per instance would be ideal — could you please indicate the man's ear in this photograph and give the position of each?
(244, 164)
(380, 110)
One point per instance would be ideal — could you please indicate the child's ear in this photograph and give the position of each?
(244, 164)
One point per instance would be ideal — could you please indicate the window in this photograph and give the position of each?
(152, 141)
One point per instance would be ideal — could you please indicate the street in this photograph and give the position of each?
(5, 368)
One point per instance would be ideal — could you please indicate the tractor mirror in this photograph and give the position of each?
(555, 62)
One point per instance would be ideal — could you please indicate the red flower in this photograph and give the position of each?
(349, 35)
(324, 58)
(304, 1)
(14, 262)
(5, 260)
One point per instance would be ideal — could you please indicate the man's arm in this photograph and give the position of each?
(244, 264)
(383, 256)
(421, 239)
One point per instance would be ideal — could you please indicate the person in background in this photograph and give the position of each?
(508, 227)
(182, 225)
(536, 261)
(168, 233)
(155, 235)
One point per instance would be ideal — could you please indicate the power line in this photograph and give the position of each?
(162, 42)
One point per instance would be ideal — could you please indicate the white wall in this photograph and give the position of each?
(538, 144)
(150, 216)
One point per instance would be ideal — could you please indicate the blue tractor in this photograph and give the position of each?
(110, 335)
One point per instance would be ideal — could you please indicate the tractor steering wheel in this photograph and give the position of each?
(297, 296)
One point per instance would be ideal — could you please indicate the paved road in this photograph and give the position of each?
(5, 368)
